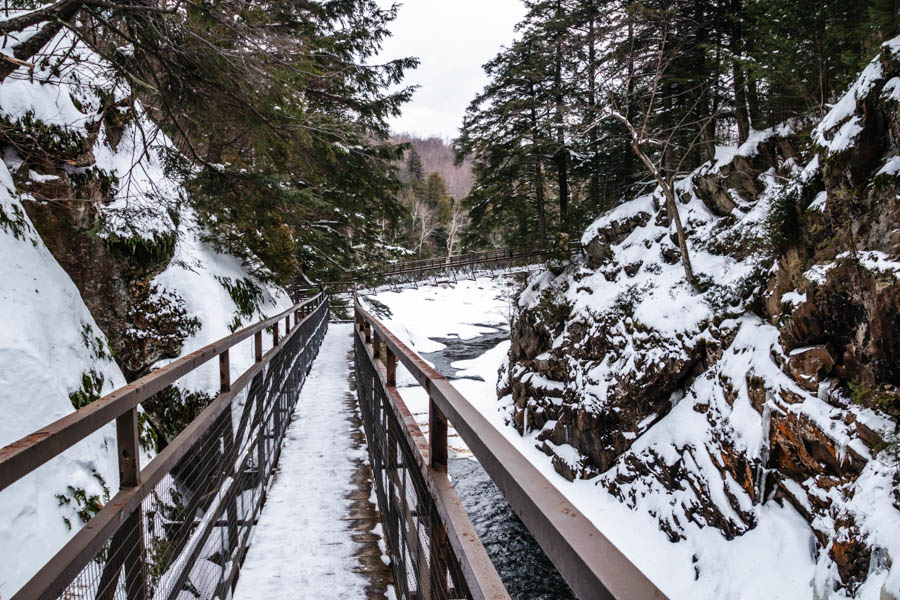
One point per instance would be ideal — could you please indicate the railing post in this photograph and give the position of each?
(437, 436)
(257, 346)
(224, 372)
(275, 334)
(390, 363)
(132, 542)
(376, 345)
(439, 551)
(368, 329)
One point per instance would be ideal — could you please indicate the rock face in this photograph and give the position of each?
(143, 324)
(779, 383)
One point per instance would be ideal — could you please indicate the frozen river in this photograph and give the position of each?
(463, 331)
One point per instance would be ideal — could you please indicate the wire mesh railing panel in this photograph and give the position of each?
(188, 535)
(422, 559)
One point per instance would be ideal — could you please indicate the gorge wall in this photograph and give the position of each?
(776, 383)
(106, 276)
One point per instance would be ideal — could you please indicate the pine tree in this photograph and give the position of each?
(283, 144)
(505, 129)
(550, 155)
(414, 167)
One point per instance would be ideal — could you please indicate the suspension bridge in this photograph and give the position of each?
(186, 523)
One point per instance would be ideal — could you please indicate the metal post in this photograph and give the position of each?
(132, 547)
(224, 372)
(390, 363)
(439, 551)
(437, 436)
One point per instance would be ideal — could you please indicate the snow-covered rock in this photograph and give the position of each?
(746, 418)
(105, 276)
(50, 348)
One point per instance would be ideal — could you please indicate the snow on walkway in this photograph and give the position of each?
(303, 546)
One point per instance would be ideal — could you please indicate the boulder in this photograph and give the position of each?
(599, 249)
(809, 366)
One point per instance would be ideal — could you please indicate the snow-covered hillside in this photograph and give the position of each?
(104, 274)
(740, 428)
(50, 349)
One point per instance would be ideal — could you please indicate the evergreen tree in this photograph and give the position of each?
(414, 167)
(277, 107)
(435, 190)
(550, 153)
(505, 129)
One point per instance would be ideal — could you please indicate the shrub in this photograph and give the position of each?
(91, 389)
(85, 505)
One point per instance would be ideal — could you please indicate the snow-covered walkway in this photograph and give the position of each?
(316, 536)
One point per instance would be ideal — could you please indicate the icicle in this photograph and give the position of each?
(764, 450)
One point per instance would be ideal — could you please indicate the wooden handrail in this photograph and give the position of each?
(27, 454)
(587, 560)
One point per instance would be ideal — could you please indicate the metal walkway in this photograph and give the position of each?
(182, 526)
(408, 272)
(318, 533)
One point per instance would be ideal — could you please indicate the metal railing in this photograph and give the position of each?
(434, 550)
(409, 271)
(182, 523)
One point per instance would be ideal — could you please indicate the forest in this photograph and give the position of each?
(597, 99)
(284, 149)
(688, 326)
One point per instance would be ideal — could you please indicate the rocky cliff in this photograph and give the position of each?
(105, 276)
(775, 387)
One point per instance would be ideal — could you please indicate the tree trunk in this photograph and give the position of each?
(628, 161)
(703, 87)
(538, 172)
(740, 93)
(539, 199)
(561, 154)
(675, 215)
(594, 189)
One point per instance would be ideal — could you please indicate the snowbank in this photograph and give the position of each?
(49, 344)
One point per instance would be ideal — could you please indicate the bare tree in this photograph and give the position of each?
(457, 221)
(661, 148)
(423, 220)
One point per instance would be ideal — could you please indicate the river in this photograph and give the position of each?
(524, 568)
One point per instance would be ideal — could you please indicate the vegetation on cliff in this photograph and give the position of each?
(775, 384)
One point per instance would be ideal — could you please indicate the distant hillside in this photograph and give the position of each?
(437, 156)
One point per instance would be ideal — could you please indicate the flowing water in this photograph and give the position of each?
(524, 568)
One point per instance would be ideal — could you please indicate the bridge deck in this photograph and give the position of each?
(318, 534)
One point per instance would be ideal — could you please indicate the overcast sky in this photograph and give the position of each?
(452, 38)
